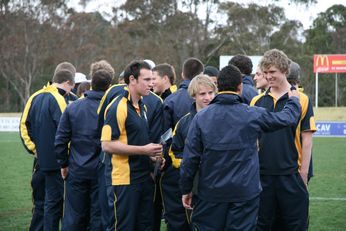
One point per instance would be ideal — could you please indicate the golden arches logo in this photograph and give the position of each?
(322, 60)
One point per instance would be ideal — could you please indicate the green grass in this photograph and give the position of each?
(15, 193)
(329, 182)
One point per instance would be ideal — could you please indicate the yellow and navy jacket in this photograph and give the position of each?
(168, 92)
(129, 125)
(176, 106)
(179, 135)
(248, 90)
(280, 151)
(153, 105)
(71, 97)
(222, 145)
(78, 129)
(39, 123)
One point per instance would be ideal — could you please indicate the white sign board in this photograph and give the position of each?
(9, 124)
(224, 59)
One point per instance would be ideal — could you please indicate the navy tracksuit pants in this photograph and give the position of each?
(103, 197)
(230, 216)
(158, 207)
(175, 214)
(38, 192)
(53, 204)
(285, 197)
(131, 206)
(82, 209)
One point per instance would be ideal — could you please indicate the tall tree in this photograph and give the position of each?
(326, 36)
(248, 28)
(84, 38)
(26, 39)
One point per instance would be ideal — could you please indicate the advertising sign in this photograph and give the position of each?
(329, 63)
(9, 124)
(331, 129)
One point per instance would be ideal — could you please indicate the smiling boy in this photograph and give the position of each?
(283, 177)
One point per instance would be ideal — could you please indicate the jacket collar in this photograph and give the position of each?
(227, 97)
(193, 110)
(185, 84)
(248, 80)
(94, 94)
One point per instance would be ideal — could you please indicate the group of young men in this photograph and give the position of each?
(227, 166)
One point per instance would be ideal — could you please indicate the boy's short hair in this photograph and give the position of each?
(134, 69)
(83, 87)
(199, 80)
(229, 78)
(165, 69)
(101, 80)
(101, 65)
(66, 66)
(294, 75)
(211, 71)
(276, 58)
(192, 67)
(243, 63)
(63, 75)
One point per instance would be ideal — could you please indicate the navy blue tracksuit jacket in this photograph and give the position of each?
(78, 124)
(176, 106)
(248, 90)
(221, 143)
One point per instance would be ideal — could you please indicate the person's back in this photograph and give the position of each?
(44, 116)
(230, 147)
(221, 145)
(77, 145)
(38, 125)
(85, 144)
(244, 64)
(178, 104)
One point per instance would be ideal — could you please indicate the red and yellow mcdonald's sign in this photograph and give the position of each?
(329, 63)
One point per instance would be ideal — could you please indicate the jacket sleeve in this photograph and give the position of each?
(26, 130)
(177, 148)
(192, 156)
(155, 124)
(101, 112)
(62, 139)
(271, 121)
(167, 115)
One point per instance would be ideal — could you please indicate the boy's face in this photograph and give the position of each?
(260, 79)
(204, 96)
(68, 86)
(158, 83)
(274, 76)
(144, 83)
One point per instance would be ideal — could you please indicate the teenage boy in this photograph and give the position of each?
(125, 140)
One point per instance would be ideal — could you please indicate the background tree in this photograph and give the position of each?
(35, 35)
(326, 36)
(25, 49)
(248, 28)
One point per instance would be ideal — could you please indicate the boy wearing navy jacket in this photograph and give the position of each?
(224, 150)
(78, 128)
(38, 126)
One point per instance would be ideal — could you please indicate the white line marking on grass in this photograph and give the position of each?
(328, 198)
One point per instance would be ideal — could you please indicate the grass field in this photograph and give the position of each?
(327, 188)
